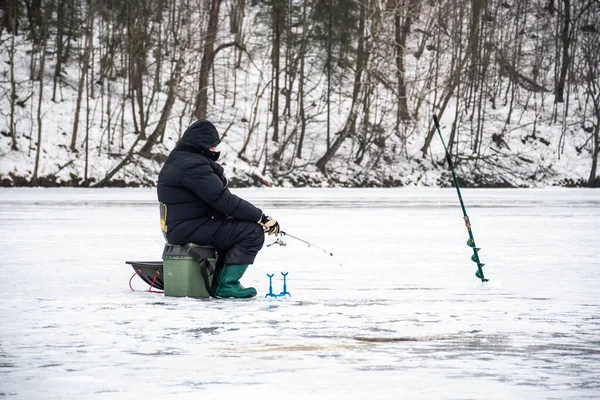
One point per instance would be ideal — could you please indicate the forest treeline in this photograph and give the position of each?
(336, 82)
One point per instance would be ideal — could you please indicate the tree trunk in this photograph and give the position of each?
(477, 7)
(566, 59)
(39, 110)
(74, 8)
(236, 16)
(364, 139)
(138, 88)
(13, 94)
(35, 19)
(168, 107)
(301, 111)
(83, 66)
(9, 15)
(593, 180)
(87, 125)
(402, 31)
(329, 56)
(278, 17)
(207, 60)
(138, 37)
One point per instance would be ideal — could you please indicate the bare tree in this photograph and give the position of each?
(60, 25)
(9, 15)
(278, 22)
(589, 41)
(301, 81)
(83, 70)
(566, 58)
(402, 30)
(43, 37)
(11, 25)
(207, 59)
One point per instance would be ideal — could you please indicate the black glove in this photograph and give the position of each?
(270, 225)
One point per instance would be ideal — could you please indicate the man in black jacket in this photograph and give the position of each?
(197, 207)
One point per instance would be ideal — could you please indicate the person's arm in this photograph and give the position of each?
(202, 180)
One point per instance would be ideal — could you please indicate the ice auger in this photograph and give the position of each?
(471, 240)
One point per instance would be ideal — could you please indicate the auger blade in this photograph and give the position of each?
(480, 276)
(479, 272)
(470, 242)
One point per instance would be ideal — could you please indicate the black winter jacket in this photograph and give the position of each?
(194, 188)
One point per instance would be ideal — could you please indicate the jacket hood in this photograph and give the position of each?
(199, 137)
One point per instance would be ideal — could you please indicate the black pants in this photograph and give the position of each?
(241, 240)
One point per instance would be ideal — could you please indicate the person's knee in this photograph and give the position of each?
(258, 235)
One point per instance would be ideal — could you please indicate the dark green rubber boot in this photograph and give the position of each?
(229, 283)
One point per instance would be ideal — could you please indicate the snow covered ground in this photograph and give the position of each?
(395, 313)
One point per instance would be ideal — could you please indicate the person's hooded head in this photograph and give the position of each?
(201, 137)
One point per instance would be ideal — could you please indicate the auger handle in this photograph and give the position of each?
(437, 125)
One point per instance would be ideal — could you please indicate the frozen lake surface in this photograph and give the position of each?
(396, 312)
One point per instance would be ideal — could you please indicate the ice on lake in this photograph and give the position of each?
(397, 312)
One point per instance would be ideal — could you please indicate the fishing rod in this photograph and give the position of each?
(471, 240)
(308, 243)
(282, 242)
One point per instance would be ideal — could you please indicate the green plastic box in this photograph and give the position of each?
(181, 273)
